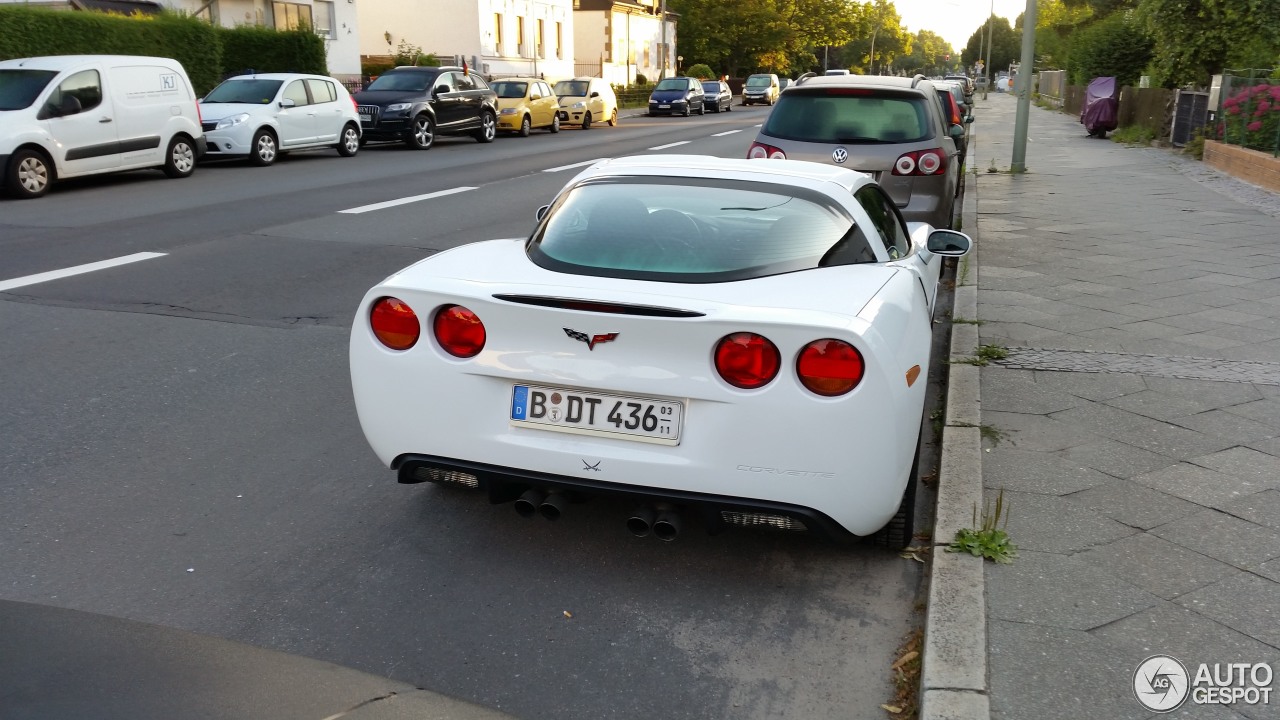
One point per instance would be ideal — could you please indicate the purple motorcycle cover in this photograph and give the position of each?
(1101, 101)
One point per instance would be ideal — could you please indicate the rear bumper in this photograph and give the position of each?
(505, 484)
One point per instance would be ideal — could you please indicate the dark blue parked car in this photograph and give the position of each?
(677, 96)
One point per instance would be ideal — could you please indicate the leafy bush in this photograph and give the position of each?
(409, 54)
(265, 50)
(1251, 117)
(1112, 47)
(701, 71)
(1134, 135)
(642, 79)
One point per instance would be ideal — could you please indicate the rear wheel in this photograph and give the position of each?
(422, 135)
(263, 149)
(488, 128)
(349, 142)
(901, 528)
(613, 119)
(555, 123)
(525, 126)
(29, 174)
(180, 158)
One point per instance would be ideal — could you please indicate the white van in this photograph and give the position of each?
(72, 115)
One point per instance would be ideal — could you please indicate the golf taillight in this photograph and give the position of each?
(759, 151)
(747, 360)
(459, 331)
(354, 104)
(830, 367)
(394, 323)
(920, 162)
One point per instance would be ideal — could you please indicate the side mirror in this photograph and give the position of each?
(441, 89)
(968, 119)
(287, 103)
(956, 131)
(595, 94)
(949, 243)
(535, 96)
(70, 105)
(542, 211)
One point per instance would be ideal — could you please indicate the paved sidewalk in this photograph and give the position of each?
(1143, 485)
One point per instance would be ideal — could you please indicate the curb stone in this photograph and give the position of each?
(953, 682)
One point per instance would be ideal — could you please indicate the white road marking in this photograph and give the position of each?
(404, 201)
(758, 125)
(670, 145)
(575, 165)
(726, 132)
(77, 270)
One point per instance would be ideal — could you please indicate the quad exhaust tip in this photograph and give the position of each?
(528, 503)
(641, 522)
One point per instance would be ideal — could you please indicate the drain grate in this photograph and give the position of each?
(1187, 368)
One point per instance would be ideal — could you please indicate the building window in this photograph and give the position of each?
(291, 16)
(538, 40)
(559, 47)
(323, 10)
(497, 33)
(520, 48)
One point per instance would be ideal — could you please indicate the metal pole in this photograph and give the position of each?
(986, 68)
(662, 73)
(1025, 70)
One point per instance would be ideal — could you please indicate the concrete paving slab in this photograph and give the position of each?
(1246, 603)
(1245, 463)
(1223, 424)
(1165, 406)
(1038, 432)
(1260, 508)
(1045, 589)
(1016, 391)
(1036, 472)
(1058, 525)
(1199, 485)
(1139, 431)
(1157, 566)
(956, 633)
(1132, 504)
(1116, 458)
(954, 705)
(1224, 537)
(1092, 386)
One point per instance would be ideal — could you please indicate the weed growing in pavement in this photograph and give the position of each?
(1195, 146)
(963, 274)
(1134, 135)
(983, 355)
(987, 432)
(990, 540)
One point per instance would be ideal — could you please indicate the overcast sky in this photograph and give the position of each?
(954, 20)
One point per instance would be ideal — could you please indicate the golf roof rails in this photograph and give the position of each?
(800, 80)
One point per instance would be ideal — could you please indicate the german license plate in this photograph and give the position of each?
(664, 107)
(589, 413)
(365, 118)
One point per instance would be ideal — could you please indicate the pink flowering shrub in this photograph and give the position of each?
(1251, 117)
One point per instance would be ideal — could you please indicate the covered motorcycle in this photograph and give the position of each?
(1101, 106)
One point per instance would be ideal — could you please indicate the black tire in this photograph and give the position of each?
(702, 109)
(29, 174)
(900, 530)
(422, 134)
(613, 119)
(264, 148)
(180, 157)
(363, 141)
(729, 107)
(488, 128)
(525, 126)
(349, 142)
(555, 123)
(586, 121)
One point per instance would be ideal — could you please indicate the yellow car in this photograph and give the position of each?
(526, 103)
(586, 100)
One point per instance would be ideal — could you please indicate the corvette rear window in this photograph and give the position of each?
(849, 115)
(674, 229)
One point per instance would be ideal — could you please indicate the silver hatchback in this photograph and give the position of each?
(889, 127)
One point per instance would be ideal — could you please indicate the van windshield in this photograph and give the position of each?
(251, 91)
(571, 88)
(759, 81)
(20, 87)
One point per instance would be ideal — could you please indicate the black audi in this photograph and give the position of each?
(414, 104)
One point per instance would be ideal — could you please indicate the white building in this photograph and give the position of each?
(495, 37)
(335, 20)
(620, 39)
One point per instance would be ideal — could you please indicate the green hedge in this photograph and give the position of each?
(207, 53)
(267, 50)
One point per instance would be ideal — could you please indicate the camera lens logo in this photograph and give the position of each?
(1161, 683)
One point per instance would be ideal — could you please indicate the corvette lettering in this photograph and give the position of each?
(791, 473)
(591, 340)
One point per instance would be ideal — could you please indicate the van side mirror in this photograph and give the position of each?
(288, 103)
(595, 94)
(542, 211)
(70, 105)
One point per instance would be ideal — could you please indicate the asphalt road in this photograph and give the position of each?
(178, 445)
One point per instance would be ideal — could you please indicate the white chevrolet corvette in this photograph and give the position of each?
(741, 342)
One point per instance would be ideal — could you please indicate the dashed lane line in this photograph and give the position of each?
(575, 165)
(6, 285)
(404, 201)
(670, 145)
(726, 132)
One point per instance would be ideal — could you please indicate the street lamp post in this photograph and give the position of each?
(986, 69)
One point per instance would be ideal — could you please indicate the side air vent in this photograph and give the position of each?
(600, 307)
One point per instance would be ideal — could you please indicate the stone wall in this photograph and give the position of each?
(1252, 166)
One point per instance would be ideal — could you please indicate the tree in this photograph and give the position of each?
(1113, 46)
(1006, 45)
(930, 55)
(1198, 38)
(881, 33)
(767, 35)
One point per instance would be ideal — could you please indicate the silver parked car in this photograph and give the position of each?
(890, 127)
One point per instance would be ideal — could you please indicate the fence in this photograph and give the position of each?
(1248, 114)
(1151, 108)
(1051, 84)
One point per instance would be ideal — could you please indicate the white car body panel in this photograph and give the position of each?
(848, 457)
(313, 126)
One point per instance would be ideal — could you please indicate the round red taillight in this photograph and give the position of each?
(777, 155)
(905, 165)
(394, 323)
(747, 360)
(930, 163)
(459, 331)
(758, 152)
(830, 367)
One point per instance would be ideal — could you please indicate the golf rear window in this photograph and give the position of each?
(849, 115)
(694, 230)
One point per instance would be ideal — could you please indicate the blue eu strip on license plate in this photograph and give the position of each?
(520, 403)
